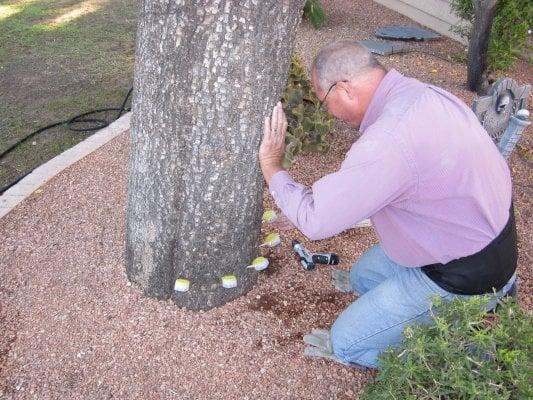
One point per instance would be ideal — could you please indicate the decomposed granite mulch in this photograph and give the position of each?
(72, 327)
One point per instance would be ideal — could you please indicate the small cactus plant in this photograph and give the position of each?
(308, 125)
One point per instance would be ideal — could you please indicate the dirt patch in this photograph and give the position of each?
(263, 303)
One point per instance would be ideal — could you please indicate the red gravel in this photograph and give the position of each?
(74, 328)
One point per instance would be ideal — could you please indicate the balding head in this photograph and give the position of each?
(344, 60)
(345, 77)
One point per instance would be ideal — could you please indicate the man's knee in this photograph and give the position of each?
(351, 351)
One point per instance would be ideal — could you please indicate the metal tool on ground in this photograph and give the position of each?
(308, 259)
(259, 264)
(229, 281)
(182, 285)
(271, 240)
(269, 216)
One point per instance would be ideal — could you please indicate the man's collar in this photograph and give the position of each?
(378, 99)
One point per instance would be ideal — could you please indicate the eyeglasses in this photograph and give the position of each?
(321, 103)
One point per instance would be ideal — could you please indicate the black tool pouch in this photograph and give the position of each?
(483, 272)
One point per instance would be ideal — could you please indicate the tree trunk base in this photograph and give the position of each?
(205, 297)
(205, 78)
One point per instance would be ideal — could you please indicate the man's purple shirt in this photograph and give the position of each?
(424, 170)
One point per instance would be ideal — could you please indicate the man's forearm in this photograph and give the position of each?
(296, 202)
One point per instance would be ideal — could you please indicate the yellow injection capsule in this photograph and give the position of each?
(269, 216)
(271, 240)
(229, 281)
(259, 264)
(182, 285)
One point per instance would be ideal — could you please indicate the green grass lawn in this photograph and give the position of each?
(59, 58)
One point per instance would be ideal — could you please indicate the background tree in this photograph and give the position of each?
(206, 75)
(508, 37)
(478, 45)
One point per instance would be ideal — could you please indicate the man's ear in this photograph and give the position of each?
(348, 89)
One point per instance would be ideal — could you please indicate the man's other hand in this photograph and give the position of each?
(273, 144)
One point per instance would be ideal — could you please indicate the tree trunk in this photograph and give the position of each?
(484, 11)
(206, 74)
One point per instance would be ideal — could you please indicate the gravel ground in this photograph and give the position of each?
(74, 328)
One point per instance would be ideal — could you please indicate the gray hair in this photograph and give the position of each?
(343, 60)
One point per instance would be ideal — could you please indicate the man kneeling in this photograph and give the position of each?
(432, 182)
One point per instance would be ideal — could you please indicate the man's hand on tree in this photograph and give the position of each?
(273, 144)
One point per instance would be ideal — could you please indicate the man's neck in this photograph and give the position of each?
(376, 100)
(369, 87)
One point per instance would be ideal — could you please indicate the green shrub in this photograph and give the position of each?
(308, 125)
(509, 32)
(314, 12)
(466, 354)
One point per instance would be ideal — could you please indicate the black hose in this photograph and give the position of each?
(71, 124)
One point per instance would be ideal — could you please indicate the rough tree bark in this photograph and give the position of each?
(206, 74)
(484, 11)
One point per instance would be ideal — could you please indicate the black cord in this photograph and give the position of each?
(71, 124)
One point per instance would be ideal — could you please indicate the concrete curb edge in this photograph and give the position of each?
(42, 174)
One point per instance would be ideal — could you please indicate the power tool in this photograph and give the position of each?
(308, 259)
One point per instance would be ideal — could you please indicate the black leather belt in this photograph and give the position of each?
(483, 272)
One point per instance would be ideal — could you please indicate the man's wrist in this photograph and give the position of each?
(269, 170)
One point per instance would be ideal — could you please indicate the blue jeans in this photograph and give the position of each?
(391, 297)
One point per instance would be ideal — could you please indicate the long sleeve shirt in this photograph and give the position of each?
(424, 171)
